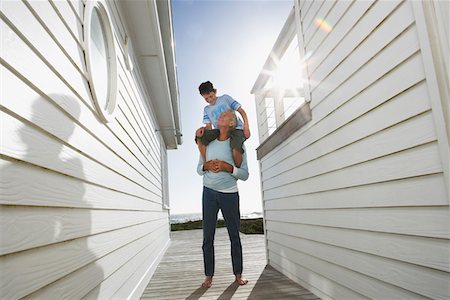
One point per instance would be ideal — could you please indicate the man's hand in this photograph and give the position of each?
(246, 133)
(209, 165)
(220, 165)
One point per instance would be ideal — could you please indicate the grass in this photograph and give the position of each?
(248, 226)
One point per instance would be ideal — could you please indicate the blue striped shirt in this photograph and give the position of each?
(211, 113)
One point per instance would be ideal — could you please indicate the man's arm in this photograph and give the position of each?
(239, 173)
(245, 120)
(202, 148)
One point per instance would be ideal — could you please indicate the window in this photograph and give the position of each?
(101, 58)
(282, 95)
(282, 90)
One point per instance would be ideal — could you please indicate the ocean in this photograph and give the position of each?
(182, 218)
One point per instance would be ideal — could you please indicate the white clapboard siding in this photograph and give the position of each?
(420, 280)
(323, 287)
(337, 276)
(37, 111)
(77, 7)
(130, 133)
(390, 56)
(426, 252)
(77, 284)
(21, 60)
(343, 24)
(25, 184)
(315, 34)
(34, 146)
(28, 271)
(40, 74)
(145, 144)
(395, 25)
(345, 36)
(403, 192)
(323, 14)
(409, 134)
(419, 221)
(40, 41)
(31, 227)
(308, 17)
(117, 20)
(132, 125)
(130, 91)
(79, 115)
(391, 167)
(139, 111)
(46, 15)
(68, 17)
(81, 200)
(356, 201)
(365, 125)
(140, 270)
(413, 134)
(403, 83)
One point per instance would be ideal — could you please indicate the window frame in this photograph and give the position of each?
(106, 113)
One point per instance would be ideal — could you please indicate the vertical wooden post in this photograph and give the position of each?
(302, 50)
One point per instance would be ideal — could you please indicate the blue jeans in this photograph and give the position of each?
(228, 203)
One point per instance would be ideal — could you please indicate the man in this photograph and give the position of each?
(220, 192)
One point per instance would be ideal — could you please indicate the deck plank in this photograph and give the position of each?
(180, 273)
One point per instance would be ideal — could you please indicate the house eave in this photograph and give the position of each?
(150, 28)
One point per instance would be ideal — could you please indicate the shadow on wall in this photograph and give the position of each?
(45, 228)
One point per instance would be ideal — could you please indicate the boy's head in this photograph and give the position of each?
(206, 88)
(208, 92)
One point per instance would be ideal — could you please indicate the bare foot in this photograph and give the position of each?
(240, 280)
(208, 282)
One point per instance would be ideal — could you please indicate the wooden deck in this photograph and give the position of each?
(180, 273)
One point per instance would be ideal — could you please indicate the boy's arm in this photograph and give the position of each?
(208, 126)
(245, 119)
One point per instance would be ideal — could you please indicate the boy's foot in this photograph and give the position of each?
(208, 282)
(240, 280)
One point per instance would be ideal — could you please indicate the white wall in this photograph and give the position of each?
(81, 211)
(356, 202)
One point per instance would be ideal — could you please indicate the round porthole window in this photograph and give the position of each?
(101, 58)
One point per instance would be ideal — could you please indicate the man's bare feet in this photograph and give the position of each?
(240, 280)
(208, 282)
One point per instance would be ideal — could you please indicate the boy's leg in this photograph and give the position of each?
(237, 139)
(209, 136)
(203, 141)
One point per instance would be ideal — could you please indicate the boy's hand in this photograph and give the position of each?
(246, 133)
(200, 132)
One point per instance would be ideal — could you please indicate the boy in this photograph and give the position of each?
(216, 106)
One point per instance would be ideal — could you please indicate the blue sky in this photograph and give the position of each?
(226, 42)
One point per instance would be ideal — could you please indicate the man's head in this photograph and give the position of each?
(208, 92)
(227, 119)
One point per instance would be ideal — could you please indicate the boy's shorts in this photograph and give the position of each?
(237, 138)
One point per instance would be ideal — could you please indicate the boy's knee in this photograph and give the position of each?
(209, 136)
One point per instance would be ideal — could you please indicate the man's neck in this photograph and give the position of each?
(224, 134)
